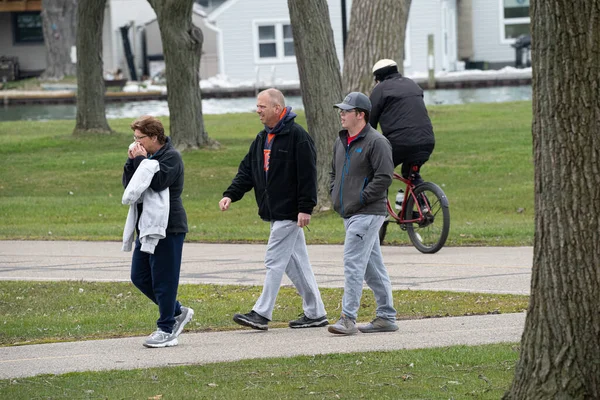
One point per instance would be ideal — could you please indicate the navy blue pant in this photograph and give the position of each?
(157, 276)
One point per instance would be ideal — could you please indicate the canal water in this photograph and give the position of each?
(134, 109)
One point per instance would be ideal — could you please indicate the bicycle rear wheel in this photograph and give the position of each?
(430, 233)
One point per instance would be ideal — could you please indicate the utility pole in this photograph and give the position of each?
(344, 26)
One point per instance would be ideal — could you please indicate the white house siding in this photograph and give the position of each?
(120, 13)
(32, 57)
(209, 60)
(236, 22)
(425, 18)
(335, 15)
(487, 45)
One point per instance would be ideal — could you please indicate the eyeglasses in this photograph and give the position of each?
(139, 137)
(344, 112)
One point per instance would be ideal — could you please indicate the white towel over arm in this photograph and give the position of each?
(155, 213)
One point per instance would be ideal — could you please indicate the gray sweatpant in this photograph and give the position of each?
(287, 253)
(363, 261)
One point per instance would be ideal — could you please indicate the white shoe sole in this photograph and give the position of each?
(170, 343)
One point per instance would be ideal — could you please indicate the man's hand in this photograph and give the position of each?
(224, 203)
(303, 219)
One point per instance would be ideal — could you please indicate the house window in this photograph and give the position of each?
(275, 41)
(27, 27)
(515, 19)
(288, 41)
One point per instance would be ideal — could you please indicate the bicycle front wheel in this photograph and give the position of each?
(429, 234)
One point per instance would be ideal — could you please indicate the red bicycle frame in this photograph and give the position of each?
(409, 192)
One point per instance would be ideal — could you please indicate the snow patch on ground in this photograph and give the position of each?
(223, 82)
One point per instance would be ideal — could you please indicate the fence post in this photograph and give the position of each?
(430, 62)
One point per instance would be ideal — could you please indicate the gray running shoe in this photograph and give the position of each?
(305, 322)
(159, 338)
(253, 320)
(182, 319)
(343, 326)
(379, 325)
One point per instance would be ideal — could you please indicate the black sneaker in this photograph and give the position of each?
(253, 320)
(305, 322)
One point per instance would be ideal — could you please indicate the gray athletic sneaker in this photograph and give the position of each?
(182, 319)
(379, 325)
(343, 326)
(159, 338)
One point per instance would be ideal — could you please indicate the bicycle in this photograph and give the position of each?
(428, 221)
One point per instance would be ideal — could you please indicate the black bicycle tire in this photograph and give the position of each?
(383, 231)
(412, 234)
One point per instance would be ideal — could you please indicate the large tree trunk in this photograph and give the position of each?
(91, 111)
(59, 20)
(182, 47)
(560, 347)
(320, 81)
(377, 30)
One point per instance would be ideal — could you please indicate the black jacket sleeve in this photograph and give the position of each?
(376, 105)
(306, 162)
(171, 167)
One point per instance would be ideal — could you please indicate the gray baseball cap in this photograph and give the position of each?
(355, 100)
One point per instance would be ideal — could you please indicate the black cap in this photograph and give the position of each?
(355, 100)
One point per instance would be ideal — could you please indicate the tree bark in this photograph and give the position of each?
(182, 48)
(320, 82)
(560, 347)
(91, 110)
(59, 22)
(377, 30)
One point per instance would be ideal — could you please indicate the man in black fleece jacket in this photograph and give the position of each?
(281, 168)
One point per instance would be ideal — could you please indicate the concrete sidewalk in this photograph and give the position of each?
(473, 269)
(204, 348)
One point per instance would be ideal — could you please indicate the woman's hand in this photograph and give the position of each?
(137, 150)
(130, 150)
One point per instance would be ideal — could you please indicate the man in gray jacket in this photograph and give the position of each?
(361, 172)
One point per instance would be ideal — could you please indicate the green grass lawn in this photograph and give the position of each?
(55, 186)
(41, 312)
(478, 372)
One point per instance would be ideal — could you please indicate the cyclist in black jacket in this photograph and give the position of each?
(399, 108)
(281, 167)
